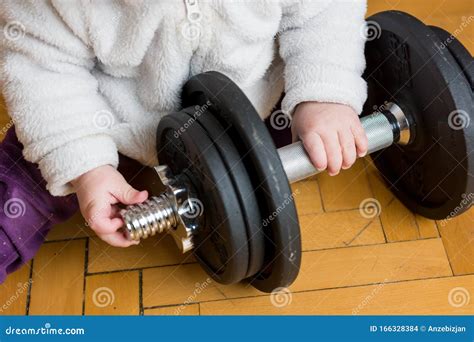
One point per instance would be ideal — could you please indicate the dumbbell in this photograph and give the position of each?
(228, 195)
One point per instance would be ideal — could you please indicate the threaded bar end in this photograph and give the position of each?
(155, 215)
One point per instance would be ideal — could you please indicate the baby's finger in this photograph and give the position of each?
(333, 153)
(360, 139)
(106, 225)
(117, 239)
(115, 211)
(314, 146)
(126, 194)
(346, 140)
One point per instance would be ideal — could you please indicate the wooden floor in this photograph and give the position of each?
(395, 263)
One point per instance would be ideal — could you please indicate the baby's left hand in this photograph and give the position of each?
(99, 191)
(331, 134)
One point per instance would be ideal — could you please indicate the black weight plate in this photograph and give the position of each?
(248, 132)
(405, 64)
(459, 52)
(242, 185)
(221, 238)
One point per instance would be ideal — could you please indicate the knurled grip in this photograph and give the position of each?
(298, 166)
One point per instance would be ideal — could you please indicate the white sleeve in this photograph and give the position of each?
(322, 44)
(52, 97)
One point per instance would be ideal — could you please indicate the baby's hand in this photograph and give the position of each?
(99, 191)
(331, 134)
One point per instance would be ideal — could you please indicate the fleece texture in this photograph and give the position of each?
(84, 80)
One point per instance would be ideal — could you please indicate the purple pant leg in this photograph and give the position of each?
(27, 209)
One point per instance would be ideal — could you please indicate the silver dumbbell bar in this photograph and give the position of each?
(383, 128)
(176, 212)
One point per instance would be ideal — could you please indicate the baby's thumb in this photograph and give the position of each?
(128, 195)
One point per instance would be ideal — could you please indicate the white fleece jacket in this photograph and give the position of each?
(86, 79)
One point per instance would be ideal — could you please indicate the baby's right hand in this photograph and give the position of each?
(99, 191)
(332, 135)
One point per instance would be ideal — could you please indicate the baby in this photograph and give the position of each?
(85, 80)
